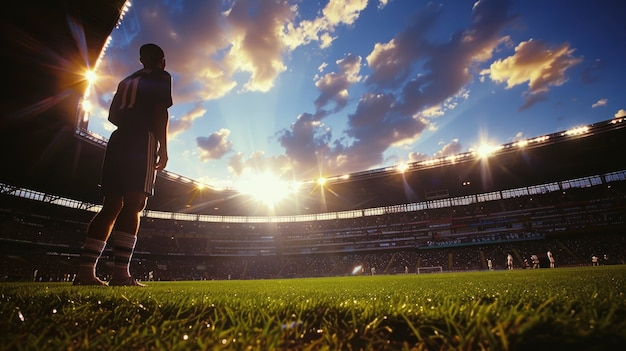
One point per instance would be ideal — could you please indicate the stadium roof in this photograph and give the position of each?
(49, 43)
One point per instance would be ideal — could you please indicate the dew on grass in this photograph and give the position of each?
(291, 325)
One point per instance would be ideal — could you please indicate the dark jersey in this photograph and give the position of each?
(131, 154)
(137, 96)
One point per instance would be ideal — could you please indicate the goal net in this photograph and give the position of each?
(425, 270)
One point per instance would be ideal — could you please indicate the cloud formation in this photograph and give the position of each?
(393, 112)
(449, 149)
(601, 102)
(538, 65)
(215, 146)
(334, 86)
(179, 125)
(369, 104)
(258, 163)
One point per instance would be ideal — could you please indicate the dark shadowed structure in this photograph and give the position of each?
(47, 44)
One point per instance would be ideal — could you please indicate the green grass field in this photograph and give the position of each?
(546, 309)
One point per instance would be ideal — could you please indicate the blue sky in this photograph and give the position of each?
(303, 89)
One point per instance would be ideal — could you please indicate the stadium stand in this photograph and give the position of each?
(575, 224)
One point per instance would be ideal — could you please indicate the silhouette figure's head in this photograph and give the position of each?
(152, 56)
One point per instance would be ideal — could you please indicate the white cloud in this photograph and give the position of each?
(179, 125)
(449, 149)
(382, 3)
(601, 102)
(398, 106)
(536, 64)
(215, 146)
(335, 13)
(334, 86)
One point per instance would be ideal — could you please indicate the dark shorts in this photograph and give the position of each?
(129, 163)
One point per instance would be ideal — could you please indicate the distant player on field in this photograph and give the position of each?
(550, 258)
(535, 259)
(135, 152)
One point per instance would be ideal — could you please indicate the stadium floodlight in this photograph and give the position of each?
(577, 131)
(451, 158)
(86, 106)
(403, 167)
(91, 76)
(125, 8)
(321, 181)
(486, 150)
(428, 162)
(521, 143)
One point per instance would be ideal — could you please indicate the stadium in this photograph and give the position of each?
(564, 191)
(574, 206)
(548, 188)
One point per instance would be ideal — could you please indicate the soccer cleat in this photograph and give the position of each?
(91, 282)
(130, 281)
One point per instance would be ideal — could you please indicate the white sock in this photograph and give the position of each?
(123, 247)
(92, 250)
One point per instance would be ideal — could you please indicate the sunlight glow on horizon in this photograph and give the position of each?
(321, 181)
(267, 188)
(486, 150)
(403, 167)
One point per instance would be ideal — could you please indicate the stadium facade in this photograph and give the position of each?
(564, 191)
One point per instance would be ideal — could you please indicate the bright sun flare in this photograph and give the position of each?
(266, 188)
(91, 76)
